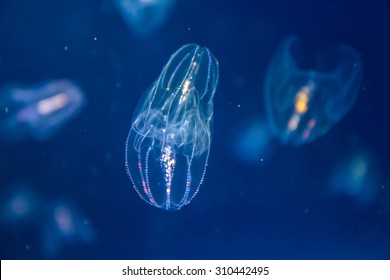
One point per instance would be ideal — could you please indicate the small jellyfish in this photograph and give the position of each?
(303, 103)
(356, 176)
(38, 111)
(66, 226)
(144, 17)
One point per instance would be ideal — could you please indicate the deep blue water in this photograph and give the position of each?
(275, 205)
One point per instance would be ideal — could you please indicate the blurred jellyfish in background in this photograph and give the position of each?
(144, 17)
(19, 207)
(356, 176)
(38, 111)
(306, 96)
(252, 143)
(20, 211)
(66, 226)
(37, 225)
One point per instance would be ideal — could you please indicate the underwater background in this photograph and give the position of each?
(69, 196)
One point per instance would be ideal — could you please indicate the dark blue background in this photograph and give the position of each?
(274, 209)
